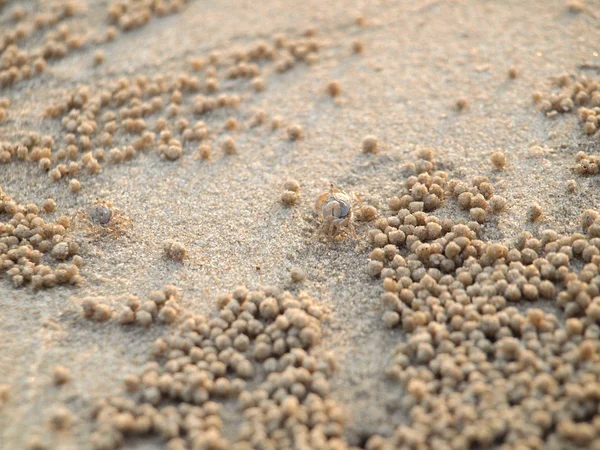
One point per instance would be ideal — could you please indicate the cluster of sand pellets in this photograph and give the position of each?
(4, 105)
(581, 95)
(18, 60)
(370, 144)
(291, 192)
(35, 251)
(586, 164)
(175, 250)
(477, 368)
(162, 306)
(131, 14)
(256, 350)
(481, 369)
(497, 342)
(573, 93)
(23, 54)
(164, 113)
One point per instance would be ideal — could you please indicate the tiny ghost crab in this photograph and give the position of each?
(335, 209)
(102, 217)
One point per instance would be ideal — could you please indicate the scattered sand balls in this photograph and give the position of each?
(291, 192)
(229, 146)
(259, 118)
(334, 88)
(60, 251)
(231, 123)
(589, 128)
(575, 6)
(18, 13)
(497, 204)
(212, 85)
(39, 65)
(49, 205)
(537, 96)
(369, 144)
(586, 164)
(74, 185)
(258, 84)
(478, 214)
(498, 160)
(143, 318)
(535, 212)
(454, 294)
(361, 21)
(132, 382)
(115, 155)
(161, 306)
(4, 393)
(60, 417)
(126, 316)
(297, 275)
(26, 238)
(276, 122)
(357, 46)
(98, 57)
(257, 348)
(588, 218)
(366, 213)
(291, 185)
(461, 104)
(60, 375)
(175, 250)
(96, 310)
(197, 63)
(468, 360)
(578, 94)
(54, 174)
(294, 132)
(289, 198)
(391, 319)
(203, 151)
(173, 152)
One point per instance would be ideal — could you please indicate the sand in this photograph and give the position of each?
(419, 59)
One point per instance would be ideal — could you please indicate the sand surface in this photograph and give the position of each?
(419, 59)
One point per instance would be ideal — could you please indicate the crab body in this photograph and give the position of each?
(102, 217)
(335, 209)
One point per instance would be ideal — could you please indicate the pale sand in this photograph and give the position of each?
(419, 59)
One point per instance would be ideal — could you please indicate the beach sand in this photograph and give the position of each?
(417, 64)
